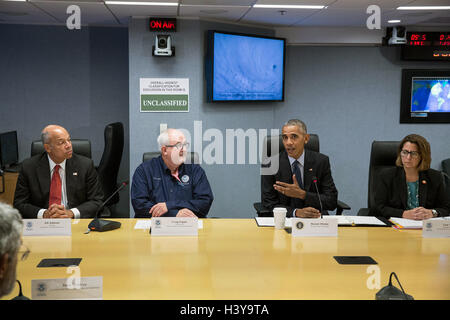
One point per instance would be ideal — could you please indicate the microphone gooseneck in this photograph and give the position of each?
(318, 195)
(20, 296)
(122, 185)
(101, 225)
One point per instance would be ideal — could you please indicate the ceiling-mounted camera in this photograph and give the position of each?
(163, 46)
(395, 36)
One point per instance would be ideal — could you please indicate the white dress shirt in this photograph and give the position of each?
(62, 174)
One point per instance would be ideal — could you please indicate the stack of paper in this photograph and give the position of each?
(357, 220)
(407, 223)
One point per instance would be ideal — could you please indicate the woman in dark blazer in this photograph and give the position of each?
(411, 190)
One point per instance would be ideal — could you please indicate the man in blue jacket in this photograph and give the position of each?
(166, 186)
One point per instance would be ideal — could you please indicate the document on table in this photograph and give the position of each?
(147, 223)
(342, 221)
(357, 220)
(407, 223)
(268, 222)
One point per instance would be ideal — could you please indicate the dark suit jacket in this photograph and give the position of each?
(316, 164)
(391, 193)
(84, 191)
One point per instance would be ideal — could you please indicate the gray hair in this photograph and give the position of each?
(298, 123)
(10, 230)
(163, 138)
(45, 137)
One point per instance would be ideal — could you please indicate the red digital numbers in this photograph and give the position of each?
(444, 37)
(435, 39)
(418, 37)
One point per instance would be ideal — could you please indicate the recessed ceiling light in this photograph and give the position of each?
(213, 11)
(424, 8)
(394, 21)
(286, 6)
(135, 3)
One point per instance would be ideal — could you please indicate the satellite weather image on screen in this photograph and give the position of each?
(247, 68)
(430, 94)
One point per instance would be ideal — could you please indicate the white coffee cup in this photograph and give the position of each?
(279, 217)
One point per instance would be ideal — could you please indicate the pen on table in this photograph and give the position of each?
(396, 225)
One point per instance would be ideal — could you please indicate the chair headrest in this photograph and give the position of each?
(446, 166)
(79, 146)
(384, 153)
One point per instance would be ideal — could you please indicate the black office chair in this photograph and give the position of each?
(313, 145)
(192, 157)
(79, 146)
(108, 168)
(446, 173)
(446, 166)
(382, 155)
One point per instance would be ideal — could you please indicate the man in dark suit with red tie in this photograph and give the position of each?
(57, 183)
(293, 185)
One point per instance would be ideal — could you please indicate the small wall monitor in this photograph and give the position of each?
(425, 96)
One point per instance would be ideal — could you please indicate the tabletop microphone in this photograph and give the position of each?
(318, 194)
(101, 225)
(390, 292)
(20, 296)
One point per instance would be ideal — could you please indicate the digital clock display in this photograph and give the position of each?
(428, 39)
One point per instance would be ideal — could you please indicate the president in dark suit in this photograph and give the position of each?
(57, 183)
(293, 186)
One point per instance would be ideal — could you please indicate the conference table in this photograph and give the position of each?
(235, 259)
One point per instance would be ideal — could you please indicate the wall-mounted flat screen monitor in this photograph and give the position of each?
(9, 151)
(425, 96)
(242, 67)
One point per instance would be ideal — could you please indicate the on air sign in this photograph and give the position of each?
(163, 24)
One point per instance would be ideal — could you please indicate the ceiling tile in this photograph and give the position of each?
(123, 13)
(92, 12)
(231, 13)
(277, 17)
(23, 12)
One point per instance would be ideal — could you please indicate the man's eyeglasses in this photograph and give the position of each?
(24, 251)
(413, 154)
(179, 145)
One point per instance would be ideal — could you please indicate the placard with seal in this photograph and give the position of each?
(47, 227)
(72, 288)
(314, 227)
(174, 226)
(436, 228)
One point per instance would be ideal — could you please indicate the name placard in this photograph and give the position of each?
(314, 227)
(436, 228)
(82, 288)
(174, 226)
(47, 227)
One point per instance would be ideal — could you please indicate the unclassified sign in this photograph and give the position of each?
(164, 94)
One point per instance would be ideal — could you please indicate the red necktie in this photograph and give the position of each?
(55, 187)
